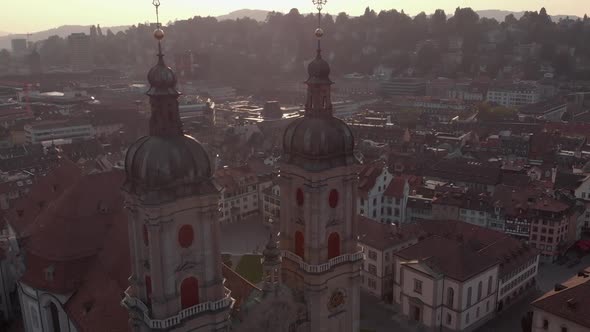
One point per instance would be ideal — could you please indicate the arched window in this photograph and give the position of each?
(479, 287)
(148, 288)
(449, 319)
(54, 317)
(146, 238)
(189, 292)
(333, 245)
(490, 280)
(299, 244)
(450, 297)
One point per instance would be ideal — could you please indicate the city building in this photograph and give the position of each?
(403, 86)
(452, 277)
(513, 94)
(380, 242)
(565, 308)
(41, 131)
(552, 110)
(374, 179)
(239, 193)
(271, 204)
(80, 52)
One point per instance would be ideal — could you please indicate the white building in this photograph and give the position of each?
(513, 95)
(380, 242)
(373, 181)
(38, 132)
(452, 279)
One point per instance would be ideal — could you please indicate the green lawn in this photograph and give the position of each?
(250, 268)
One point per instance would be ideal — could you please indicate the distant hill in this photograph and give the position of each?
(499, 15)
(255, 14)
(62, 31)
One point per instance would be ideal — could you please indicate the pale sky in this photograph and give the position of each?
(21, 16)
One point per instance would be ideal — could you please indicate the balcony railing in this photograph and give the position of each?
(309, 268)
(133, 302)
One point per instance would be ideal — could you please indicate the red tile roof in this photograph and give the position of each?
(571, 303)
(82, 238)
(384, 236)
(509, 252)
(448, 256)
(396, 188)
(368, 177)
(47, 188)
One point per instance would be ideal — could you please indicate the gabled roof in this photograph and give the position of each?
(396, 188)
(449, 257)
(368, 177)
(571, 303)
(384, 236)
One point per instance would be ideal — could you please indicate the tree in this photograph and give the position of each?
(510, 20)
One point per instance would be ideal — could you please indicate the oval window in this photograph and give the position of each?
(185, 236)
(299, 197)
(333, 198)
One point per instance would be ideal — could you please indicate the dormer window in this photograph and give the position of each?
(49, 273)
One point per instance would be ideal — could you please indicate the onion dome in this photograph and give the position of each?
(318, 143)
(319, 71)
(171, 167)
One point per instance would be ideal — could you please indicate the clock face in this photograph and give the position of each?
(337, 300)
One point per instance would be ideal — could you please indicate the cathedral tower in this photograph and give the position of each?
(172, 202)
(318, 179)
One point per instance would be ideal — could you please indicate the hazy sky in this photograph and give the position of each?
(20, 16)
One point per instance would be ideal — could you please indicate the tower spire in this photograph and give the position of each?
(165, 119)
(319, 32)
(318, 84)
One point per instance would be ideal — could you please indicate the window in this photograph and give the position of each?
(467, 318)
(479, 287)
(333, 245)
(299, 244)
(417, 286)
(372, 283)
(563, 329)
(189, 292)
(387, 257)
(396, 212)
(372, 255)
(490, 281)
(372, 269)
(374, 201)
(449, 319)
(469, 296)
(450, 297)
(488, 306)
(477, 313)
(545, 324)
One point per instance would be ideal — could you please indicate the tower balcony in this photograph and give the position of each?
(309, 268)
(134, 304)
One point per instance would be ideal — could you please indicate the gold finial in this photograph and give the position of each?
(158, 33)
(319, 32)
